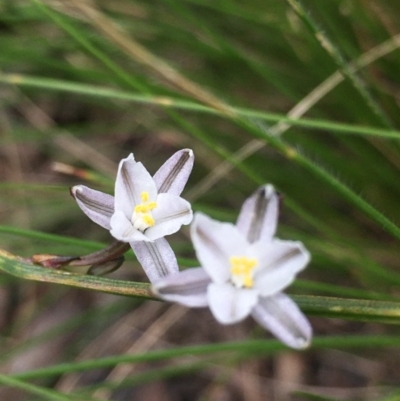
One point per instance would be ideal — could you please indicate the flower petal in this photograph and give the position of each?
(229, 304)
(280, 261)
(123, 230)
(97, 205)
(258, 217)
(170, 214)
(215, 243)
(157, 258)
(132, 180)
(188, 287)
(283, 318)
(172, 176)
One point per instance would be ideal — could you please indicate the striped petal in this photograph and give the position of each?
(279, 262)
(188, 287)
(283, 318)
(258, 217)
(98, 206)
(170, 214)
(172, 176)
(157, 258)
(132, 180)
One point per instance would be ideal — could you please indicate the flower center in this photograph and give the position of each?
(242, 269)
(141, 217)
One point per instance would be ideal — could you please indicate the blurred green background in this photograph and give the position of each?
(301, 94)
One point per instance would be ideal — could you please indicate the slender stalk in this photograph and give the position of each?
(44, 393)
(170, 102)
(344, 66)
(251, 348)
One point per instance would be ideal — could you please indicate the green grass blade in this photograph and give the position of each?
(44, 393)
(169, 102)
(259, 348)
(336, 55)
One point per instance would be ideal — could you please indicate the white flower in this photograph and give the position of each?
(144, 209)
(244, 270)
(141, 213)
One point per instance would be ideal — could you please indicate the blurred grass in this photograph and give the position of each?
(301, 94)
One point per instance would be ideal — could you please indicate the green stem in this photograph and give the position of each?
(356, 309)
(335, 54)
(170, 102)
(252, 348)
(45, 394)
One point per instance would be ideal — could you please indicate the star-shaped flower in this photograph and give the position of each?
(144, 209)
(244, 270)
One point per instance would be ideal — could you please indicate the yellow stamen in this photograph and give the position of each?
(242, 269)
(140, 209)
(144, 196)
(152, 205)
(148, 220)
(142, 218)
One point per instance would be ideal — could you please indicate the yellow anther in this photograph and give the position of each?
(152, 205)
(140, 208)
(242, 270)
(141, 217)
(145, 208)
(148, 220)
(145, 196)
(248, 281)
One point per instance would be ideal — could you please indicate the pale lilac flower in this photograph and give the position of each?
(144, 209)
(244, 270)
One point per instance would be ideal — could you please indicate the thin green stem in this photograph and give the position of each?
(336, 55)
(356, 309)
(44, 393)
(60, 239)
(169, 102)
(251, 348)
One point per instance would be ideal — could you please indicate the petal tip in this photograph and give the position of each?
(269, 191)
(189, 151)
(303, 343)
(73, 190)
(305, 252)
(189, 218)
(129, 158)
